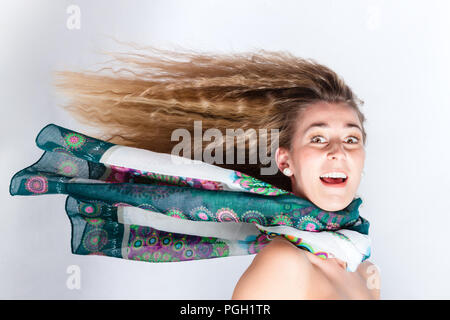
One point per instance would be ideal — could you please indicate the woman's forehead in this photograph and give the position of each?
(328, 116)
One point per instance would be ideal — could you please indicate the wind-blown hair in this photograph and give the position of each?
(165, 90)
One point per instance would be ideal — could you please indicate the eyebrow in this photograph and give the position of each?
(325, 125)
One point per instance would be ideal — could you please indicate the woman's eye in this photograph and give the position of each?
(356, 140)
(312, 140)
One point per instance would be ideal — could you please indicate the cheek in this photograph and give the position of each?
(358, 159)
(307, 163)
(362, 157)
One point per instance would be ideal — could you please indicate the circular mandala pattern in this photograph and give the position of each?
(74, 140)
(282, 219)
(204, 250)
(296, 213)
(178, 245)
(152, 240)
(68, 168)
(138, 243)
(309, 223)
(201, 214)
(37, 184)
(254, 216)
(94, 221)
(166, 240)
(95, 240)
(188, 254)
(89, 209)
(176, 213)
(226, 215)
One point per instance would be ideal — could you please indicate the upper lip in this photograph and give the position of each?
(335, 170)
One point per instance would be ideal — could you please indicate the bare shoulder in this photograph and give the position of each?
(279, 271)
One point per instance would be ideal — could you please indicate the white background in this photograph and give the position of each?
(394, 54)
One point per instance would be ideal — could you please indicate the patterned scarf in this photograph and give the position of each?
(136, 204)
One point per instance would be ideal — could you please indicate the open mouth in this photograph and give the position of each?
(334, 182)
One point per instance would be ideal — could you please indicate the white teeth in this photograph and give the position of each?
(334, 175)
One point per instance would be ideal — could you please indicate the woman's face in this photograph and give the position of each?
(319, 150)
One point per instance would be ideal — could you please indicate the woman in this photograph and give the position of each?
(280, 270)
(261, 90)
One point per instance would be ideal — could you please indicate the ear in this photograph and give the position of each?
(281, 158)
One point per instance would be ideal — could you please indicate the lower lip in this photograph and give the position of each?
(335, 185)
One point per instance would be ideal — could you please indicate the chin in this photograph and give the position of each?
(329, 204)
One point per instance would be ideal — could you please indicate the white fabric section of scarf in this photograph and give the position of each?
(168, 164)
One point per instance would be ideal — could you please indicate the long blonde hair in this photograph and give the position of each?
(163, 90)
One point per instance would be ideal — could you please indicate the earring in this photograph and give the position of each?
(287, 172)
(362, 173)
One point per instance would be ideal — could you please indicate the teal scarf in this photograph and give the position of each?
(150, 211)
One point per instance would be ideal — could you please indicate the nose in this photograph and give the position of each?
(336, 150)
